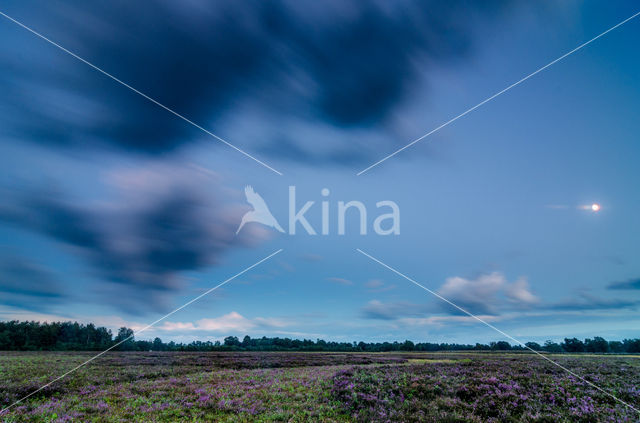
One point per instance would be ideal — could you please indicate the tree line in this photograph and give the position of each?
(73, 336)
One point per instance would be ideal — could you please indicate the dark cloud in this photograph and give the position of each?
(24, 283)
(165, 221)
(628, 284)
(345, 64)
(395, 310)
(480, 296)
(192, 61)
(586, 302)
(284, 147)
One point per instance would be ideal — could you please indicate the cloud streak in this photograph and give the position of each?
(627, 285)
(342, 65)
(25, 283)
(228, 323)
(390, 311)
(341, 281)
(587, 302)
(486, 295)
(164, 220)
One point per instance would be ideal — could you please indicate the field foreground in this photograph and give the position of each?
(393, 387)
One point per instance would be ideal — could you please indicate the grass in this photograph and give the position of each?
(332, 387)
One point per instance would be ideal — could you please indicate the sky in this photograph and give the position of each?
(116, 211)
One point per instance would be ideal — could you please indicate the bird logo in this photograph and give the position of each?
(260, 212)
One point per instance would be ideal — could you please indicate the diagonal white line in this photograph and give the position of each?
(142, 330)
(497, 94)
(140, 93)
(498, 330)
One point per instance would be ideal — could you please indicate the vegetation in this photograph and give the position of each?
(462, 387)
(72, 336)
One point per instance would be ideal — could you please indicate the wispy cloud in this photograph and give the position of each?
(378, 285)
(162, 221)
(394, 310)
(26, 283)
(341, 281)
(374, 283)
(628, 284)
(586, 302)
(229, 323)
(486, 295)
(311, 257)
(447, 320)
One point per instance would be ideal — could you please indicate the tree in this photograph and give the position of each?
(534, 346)
(125, 336)
(143, 346)
(500, 346)
(407, 346)
(5, 341)
(551, 346)
(231, 341)
(616, 346)
(597, 345)
(573, 345)
(69, 336)
(631, 345)
(157, 344)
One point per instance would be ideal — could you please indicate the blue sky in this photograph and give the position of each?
(116, 212)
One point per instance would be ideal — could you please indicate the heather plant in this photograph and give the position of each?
(490, 389)
(297, 387)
